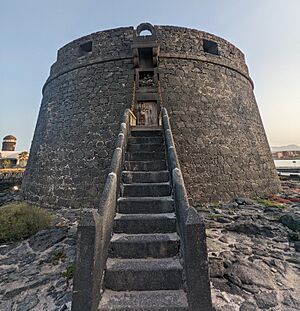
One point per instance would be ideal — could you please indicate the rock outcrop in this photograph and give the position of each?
(36, 274)
(254, 255)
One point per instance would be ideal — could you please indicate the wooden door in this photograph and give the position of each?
(147, 113)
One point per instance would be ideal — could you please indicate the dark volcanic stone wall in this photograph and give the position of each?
(219, 135)
(218, 132)
(217, 129)
(78, 122)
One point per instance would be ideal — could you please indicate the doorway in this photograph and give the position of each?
(147, 113)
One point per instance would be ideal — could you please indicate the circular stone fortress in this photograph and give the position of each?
(203, 82)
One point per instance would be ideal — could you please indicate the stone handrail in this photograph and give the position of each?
(95, 230)
(191, 229)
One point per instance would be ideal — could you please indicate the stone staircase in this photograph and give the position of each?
(143, 270)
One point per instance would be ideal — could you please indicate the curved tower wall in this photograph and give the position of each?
(219, 135)
(216, 125)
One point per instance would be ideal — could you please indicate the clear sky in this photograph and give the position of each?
(267, 31)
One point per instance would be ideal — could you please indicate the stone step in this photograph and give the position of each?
(145, 205)
(145, 223)
(145, 177)
(143, 274)
(145, 140)
(145, 156)
(145, 147)
(163, 300)
(155, 245)
(146, 133)
(156, 165)
(146, 189)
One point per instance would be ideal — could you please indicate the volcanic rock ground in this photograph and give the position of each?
(253, 255)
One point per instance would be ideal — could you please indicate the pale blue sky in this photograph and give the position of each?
(267, 31)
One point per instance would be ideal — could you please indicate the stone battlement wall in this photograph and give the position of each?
(115, 44)
(216, 124)
(107, 45)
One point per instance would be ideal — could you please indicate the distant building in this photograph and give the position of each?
(9, 157)
(9, 143)
(286, 154)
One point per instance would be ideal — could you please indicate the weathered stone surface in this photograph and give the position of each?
(164, 300)
(297, 246)
(244, 201)
(248, 306)
(277, 255)
(251, 229)
(216, 267)
(250, 276)
(28, 303)
(254, 262)
(290, 300)
(291, 220)
(144, 270)
(47, 238)
(266, 300)
(33, 271)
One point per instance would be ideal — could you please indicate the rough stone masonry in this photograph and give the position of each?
(205, 86)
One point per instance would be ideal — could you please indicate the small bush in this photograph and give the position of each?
(214, 216)
(216, 204)
(57, 257)
(18, 221)
(69, 273)
(268, 202)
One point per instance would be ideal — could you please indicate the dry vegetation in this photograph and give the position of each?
(18, 221)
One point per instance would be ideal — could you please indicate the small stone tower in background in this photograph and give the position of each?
(9, 143)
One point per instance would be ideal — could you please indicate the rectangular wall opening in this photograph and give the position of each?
(210, 47)
(85, 48)
(145, 58)
(146, 78)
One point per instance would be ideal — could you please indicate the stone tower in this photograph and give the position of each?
(9, 143)
(200, 78)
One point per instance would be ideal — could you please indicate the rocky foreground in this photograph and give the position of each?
(254, 254)
(36, 274)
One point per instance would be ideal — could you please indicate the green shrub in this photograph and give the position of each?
(69, 273)
(267, 202)
(58, 256)
(18, 221)
(215, 204)
(214, 216)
